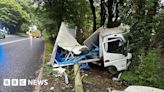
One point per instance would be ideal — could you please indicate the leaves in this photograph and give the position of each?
(147, 72)
(12, 13)
(146, 33)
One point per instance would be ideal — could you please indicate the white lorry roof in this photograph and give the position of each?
(94, 38)
(66, 38)
(110, 31)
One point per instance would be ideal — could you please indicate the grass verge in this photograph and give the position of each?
(21, 34)
(48, 50)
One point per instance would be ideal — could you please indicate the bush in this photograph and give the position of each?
(24, 27)
(147, 72)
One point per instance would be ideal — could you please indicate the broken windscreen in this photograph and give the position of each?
(114, 46)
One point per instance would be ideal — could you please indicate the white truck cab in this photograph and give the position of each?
(115, 52)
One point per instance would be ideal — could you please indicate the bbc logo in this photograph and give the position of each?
(14, 82)
(24, 82)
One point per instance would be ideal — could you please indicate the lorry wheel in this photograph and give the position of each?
(112, 70)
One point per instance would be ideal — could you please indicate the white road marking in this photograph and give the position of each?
(9, 42)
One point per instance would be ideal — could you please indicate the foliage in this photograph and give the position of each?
(77, 12)
(17, 15)
(147, 73)
(146, 20)
(24, 27)
(12, 13)
(48, 49)
(49, 70)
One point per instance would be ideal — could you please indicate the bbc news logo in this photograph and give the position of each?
(24, 82)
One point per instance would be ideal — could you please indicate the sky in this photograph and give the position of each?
(162, 1)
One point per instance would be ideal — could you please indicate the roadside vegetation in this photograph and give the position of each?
(149, 72)
(48, 50)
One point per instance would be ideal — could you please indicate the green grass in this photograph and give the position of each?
(48, 70)
(148, 73)
(48, 50)
(21, 34)
(161, 72)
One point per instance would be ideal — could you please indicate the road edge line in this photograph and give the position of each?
(37, 88)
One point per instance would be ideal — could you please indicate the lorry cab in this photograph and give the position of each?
(113, 46)
(115, 51)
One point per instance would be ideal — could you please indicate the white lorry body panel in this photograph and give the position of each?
(142, 89)
(139, 89)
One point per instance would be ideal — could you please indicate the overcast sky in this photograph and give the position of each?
(162, 1)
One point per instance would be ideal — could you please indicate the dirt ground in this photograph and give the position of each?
(97, 79)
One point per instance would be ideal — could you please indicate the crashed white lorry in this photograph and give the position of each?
(105, 46)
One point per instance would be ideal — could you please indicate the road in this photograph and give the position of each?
(20, 58)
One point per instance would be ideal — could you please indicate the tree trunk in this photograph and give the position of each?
(103, 13)
(94, 14)
(110, 15)
(117, 11)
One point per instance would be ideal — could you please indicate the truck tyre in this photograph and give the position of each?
(112, 70)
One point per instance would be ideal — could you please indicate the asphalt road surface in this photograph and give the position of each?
(20, 58)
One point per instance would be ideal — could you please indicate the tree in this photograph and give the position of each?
(93, 13)
(53, 12)
(112, 13)
(145, 18)
(12, 14)
(103, 13)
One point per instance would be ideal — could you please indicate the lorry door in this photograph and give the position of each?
(113, 49)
